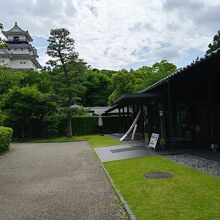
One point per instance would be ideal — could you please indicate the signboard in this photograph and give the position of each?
(153, 140)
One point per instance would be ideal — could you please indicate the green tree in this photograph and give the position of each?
(27, 109)
(98, 87)
(215, 43)
(67, 72)
(2, 42)
(10, 79)
(136, 80)
(123, 83)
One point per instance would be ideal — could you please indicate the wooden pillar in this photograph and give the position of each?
(150, 118)
(120, 126)
(123, 118)
(211, 112)
(142, 120)
(138, 122)
(133, 112)
(170, 109)
(128, 117)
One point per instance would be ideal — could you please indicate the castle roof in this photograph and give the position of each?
(17, 30)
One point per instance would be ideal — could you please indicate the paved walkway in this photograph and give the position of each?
(121, 152)
(56, 181)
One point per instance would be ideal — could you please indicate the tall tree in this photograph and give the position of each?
(67, 67)
(215, 43)
(98, 87)
(2, 42)
(136, 80)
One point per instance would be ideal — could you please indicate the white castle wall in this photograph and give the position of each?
(22, 64)
(21, 37)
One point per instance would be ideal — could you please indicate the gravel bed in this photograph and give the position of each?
(204, 165)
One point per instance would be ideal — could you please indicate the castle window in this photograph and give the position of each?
(15, 38)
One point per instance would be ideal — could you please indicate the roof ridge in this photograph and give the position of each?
(16, 26)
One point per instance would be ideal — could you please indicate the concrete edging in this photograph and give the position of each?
(123, 201)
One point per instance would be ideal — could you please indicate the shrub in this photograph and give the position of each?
(85, 125)
(5, 138)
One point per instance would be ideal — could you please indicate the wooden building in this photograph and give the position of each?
(184, 108)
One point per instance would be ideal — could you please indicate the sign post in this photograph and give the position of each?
(153, 140)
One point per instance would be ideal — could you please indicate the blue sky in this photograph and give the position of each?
(115, 34)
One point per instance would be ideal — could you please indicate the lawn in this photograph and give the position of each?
(94, 140)
(189, 195)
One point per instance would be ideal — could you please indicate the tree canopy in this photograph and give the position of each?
(136, 80)
(68, 71)
(2, 42)
(30, 109)
(215, 43)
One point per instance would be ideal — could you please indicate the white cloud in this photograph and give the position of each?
(117, 34)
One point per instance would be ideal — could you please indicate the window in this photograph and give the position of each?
(15, 38)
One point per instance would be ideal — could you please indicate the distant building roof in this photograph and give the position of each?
(98, 110)
(17, 30)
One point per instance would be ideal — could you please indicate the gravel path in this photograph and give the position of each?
(204, 165)
(56, 181)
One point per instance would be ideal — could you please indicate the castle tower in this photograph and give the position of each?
(19, 53)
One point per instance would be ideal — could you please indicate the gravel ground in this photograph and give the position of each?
(56, 181)
(204, 165)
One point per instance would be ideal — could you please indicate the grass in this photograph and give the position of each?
(189, 195)
(94, 140)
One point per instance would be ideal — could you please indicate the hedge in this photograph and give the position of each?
(5, 138)
(85, 125)
(81, 125)
(89, 125)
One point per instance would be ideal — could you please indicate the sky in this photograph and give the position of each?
(116, 34)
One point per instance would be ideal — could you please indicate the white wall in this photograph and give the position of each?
(18, 63)
(21, 37)
(16, 51)
(19, 51)
(21, 64)
(5, 62)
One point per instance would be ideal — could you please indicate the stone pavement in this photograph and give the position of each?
(55, 181)
(121, 152)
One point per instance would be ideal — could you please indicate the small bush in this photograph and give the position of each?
(5, 138)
